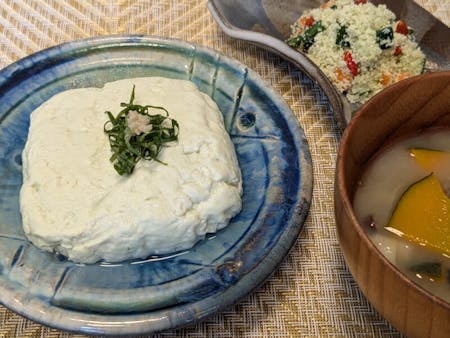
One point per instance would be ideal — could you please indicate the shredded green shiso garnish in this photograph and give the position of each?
(129, 148)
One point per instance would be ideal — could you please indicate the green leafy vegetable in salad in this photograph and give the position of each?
(342, 37)
(306, 39)
(136, 134)
(385, 37)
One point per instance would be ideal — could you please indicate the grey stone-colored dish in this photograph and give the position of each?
(267, 24)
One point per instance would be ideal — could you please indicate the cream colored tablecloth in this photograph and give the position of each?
(312, 293)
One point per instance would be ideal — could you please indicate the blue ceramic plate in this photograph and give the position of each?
(156, 293)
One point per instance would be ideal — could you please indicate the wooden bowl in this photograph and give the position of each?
(404, 108)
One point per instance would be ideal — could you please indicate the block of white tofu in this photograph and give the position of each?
(73, 201)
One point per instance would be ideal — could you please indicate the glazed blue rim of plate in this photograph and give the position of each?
(158, 293)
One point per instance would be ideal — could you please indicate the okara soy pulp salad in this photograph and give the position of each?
(360, 47)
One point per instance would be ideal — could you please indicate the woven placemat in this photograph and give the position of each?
(312, 293)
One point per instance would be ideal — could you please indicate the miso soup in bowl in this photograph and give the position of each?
(392, 204)
(403, 203)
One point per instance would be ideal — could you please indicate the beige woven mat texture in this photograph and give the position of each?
(312, 293)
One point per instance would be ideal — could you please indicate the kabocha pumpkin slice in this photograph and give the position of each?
(422, 215)
(435, 161)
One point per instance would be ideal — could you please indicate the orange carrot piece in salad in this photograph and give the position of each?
(385, 79)
(402, 76)
(327, 4)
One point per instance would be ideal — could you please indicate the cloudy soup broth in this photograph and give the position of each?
(402, 201)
